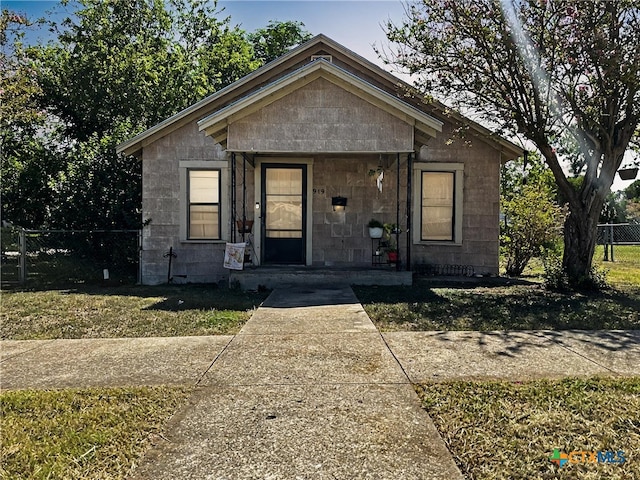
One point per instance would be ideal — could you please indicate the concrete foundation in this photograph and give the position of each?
(272, 277)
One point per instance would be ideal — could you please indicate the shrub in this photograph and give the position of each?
(556, 278)
(532, 222)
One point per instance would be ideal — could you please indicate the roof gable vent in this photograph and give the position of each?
(328, 58)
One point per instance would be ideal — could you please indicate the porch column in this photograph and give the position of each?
(244, 195)
(233, 198)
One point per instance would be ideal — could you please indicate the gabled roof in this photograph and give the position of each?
(371, 74)
(216, 123)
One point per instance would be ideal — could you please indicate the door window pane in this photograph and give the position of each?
(283, 202)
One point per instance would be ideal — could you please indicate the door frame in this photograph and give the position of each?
(293, 161)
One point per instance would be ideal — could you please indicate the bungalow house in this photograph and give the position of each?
(288, 145)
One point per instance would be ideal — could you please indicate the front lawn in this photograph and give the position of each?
(81, 433)
(125, 311)
(508, 431)
(427, 306)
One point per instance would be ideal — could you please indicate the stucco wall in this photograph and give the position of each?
(162, 207)
(320, 117)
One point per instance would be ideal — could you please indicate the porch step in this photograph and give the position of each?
(272, 277)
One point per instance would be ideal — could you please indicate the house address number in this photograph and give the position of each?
(319, 191)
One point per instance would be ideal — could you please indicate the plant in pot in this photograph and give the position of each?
(244, 226)
(628, 173)
(391, 229)
(376, 228)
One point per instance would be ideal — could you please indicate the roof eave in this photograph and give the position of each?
(133, 145)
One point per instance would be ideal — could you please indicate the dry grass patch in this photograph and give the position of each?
(81, 433)
(128, 311)
(499, 430)
(425, 306)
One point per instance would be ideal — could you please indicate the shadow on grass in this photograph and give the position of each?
(491, 325)
(425, 307)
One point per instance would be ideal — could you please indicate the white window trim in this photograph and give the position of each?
(183, 168)
(458, 169)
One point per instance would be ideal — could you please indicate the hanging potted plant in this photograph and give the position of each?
(628, 173)
(376, 228)
(244, 226)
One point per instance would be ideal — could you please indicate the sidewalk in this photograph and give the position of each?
(309, 388)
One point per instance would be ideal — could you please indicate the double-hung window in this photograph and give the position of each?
(438, 206)
(439, 202)
(203, 204)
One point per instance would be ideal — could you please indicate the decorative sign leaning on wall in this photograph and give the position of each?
(234, 256)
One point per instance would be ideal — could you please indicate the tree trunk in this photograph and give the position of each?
(580, 234)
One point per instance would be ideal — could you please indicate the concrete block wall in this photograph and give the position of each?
(481, 204)
(320, 117)
(161, 207)
(342, 238)
(339, 238)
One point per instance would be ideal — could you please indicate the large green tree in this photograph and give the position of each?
(28, 164)
(138, 61)
(541, 69)
(114, 69)
(276, 38)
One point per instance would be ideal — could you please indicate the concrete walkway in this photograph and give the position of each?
(309, 388)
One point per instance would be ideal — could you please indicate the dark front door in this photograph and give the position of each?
(284, 193)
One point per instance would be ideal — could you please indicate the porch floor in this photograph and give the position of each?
(252, 278)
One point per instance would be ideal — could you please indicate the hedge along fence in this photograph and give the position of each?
(60, 257)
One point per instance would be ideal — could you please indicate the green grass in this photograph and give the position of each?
(126, 311)
(625, 270)
(517, 307)
(498, 430)
(81, 433)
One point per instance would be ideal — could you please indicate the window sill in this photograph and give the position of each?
(438, 243)
(213, 242)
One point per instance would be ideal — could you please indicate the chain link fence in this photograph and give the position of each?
(619, 242)
(62, 257)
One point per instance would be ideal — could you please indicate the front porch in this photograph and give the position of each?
(282, 276)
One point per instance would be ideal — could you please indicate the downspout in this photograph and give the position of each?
(409, 191)
(398, 209)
